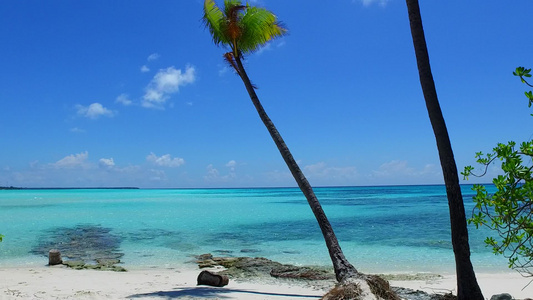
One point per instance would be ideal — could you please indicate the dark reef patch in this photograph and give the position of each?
(87, 244)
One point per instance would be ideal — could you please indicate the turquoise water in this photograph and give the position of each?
(381, 229)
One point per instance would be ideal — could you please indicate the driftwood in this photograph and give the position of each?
(54, 257)
(212, 279)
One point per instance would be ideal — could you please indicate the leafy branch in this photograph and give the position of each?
(523, 72)
(509, 211)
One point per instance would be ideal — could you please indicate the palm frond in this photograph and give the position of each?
(244, 29)
(259, 26)
(215, 21)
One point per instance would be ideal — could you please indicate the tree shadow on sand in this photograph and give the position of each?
(215, 293)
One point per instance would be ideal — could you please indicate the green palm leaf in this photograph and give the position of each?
(259, 27)
(244, 29)
(215, 21)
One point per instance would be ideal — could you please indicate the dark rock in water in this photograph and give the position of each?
(250, 250)
(503, 296)
(212, 279)
(54, 257)
(85, 243)
(223, 251)
(291, 252)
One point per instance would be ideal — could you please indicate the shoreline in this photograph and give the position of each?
(60, 282)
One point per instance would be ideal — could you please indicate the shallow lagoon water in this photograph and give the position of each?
(381, 229)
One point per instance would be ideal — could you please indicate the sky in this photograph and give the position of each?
(134, 93)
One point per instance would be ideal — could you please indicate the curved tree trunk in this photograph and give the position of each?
(467, 286)
(343, 269)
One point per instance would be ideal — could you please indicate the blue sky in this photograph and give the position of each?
(134, 93)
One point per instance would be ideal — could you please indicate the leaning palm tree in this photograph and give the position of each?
(467, 286)
(244, 29)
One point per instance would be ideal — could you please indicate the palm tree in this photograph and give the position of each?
(244, 29)
(467, 286)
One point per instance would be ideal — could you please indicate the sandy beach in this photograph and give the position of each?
(59, 282)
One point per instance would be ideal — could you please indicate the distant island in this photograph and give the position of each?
(9, 188)
(68, 188)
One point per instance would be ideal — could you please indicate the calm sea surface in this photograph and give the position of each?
(381, 229)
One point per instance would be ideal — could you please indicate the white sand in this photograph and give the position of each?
(62, 283)
(491, 284)
(59, 282)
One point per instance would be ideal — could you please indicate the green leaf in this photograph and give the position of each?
(244, 29)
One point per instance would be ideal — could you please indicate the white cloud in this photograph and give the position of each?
(398, 171)
(153, 56)
(77, 130)
(106, 163)
(124, 100)
(165, 160)
(166, 82)
(213, 175)
(157, 175)
(266, 47)
(72, 161)
(94, 111)
(145, 69)
(231, 164)
(370, 2)
(223, 70)
(324, 174)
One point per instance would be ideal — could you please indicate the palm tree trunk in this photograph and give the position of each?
(343, 269)
(467, 286)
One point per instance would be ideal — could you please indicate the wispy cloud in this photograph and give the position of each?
(213, 175)
(124, 99)
(72, 161)
(269, 46)
(231, 164)
(77, 130)
(165, 160)
(399, 171)
(94, 111)
(371, 2)
(106, 163)
(144, 69)
(150, 58)
(223, 70)
(323, 173)
(153, 56)
(166, 82)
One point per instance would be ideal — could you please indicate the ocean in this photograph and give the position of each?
(380, 229)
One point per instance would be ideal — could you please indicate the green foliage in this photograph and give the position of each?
(509, 210)
(1, 237)
(523, 72)
(242, 28)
